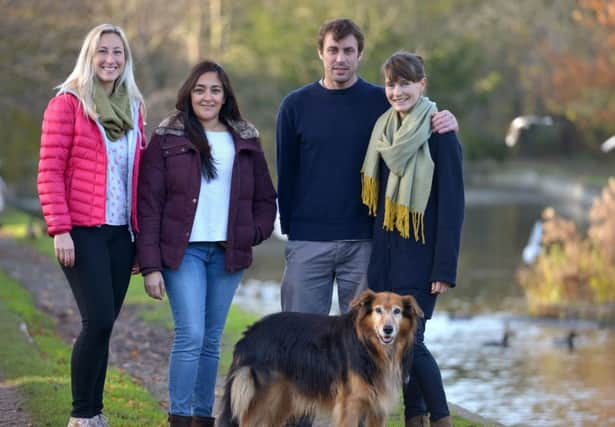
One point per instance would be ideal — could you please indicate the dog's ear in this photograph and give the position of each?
(411, 306)
(364, 299)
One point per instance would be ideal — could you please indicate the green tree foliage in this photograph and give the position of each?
(488, 61)
(582, 85)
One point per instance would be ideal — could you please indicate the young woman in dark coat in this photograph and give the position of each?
(206, 198)
(413, 184)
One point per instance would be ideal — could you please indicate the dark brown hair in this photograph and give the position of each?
(194, 129)
(339, 29)
(404, 65)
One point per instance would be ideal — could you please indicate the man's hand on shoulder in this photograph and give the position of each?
(444, 121)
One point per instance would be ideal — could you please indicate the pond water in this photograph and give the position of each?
(537, 380)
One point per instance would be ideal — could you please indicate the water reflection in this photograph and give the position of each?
(493, 238)
(532, 382)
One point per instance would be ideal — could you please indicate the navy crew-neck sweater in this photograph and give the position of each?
(321, 139)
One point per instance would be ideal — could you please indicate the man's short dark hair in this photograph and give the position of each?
(339, 29)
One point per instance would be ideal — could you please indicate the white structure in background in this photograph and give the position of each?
(608, 145)
(277, 229)
(524, 122)
(533, 248)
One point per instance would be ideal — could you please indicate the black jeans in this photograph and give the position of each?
(424, 392)
(99, 280)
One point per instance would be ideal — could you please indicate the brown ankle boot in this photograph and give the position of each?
(417, 421)
(180, 421)
(443, 422)
(203, 421)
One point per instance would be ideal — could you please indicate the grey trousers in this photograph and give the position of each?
(311, 269)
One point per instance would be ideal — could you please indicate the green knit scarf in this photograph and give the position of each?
(113, 111)
(403, 146)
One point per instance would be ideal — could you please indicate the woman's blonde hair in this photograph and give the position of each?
(81, 80)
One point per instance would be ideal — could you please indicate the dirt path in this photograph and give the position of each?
(136, 347)
(12, 413)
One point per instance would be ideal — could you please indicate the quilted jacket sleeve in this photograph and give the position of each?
(152, 194)
(264, 205)
(56, 142)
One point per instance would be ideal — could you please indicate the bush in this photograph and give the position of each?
(574, 271)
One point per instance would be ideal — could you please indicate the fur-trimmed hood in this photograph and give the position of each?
(173, 125)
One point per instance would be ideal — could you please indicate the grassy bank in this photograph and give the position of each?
(43, 373)
(40, 368)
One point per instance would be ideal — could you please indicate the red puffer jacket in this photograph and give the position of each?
(72, 170)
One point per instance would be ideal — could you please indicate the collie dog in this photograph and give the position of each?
(336, 370)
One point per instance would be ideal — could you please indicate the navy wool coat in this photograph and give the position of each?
(406, 266)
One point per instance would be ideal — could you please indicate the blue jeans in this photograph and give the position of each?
(200, 293)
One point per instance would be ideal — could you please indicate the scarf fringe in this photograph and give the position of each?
(397, 217)
(389, 215)
(369, 193)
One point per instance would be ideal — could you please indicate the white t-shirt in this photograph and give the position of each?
(211, 219)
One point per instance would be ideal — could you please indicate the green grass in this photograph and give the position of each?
(155, 312)
(43, 374)
(15, 224)
(158, 313)
(237, 321)
(41, 369)
(460, 422)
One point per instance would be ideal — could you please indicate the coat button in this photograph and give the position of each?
(187, 233)
(194, 200)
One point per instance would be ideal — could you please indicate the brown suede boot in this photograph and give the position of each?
(443, 422)
(203, 421)
(180, 421)
(417, 421)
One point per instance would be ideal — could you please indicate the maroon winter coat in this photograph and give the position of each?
(169, 185)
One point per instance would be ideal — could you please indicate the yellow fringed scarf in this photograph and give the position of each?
(403, 146)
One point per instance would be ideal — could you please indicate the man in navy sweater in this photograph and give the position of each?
(322, 133)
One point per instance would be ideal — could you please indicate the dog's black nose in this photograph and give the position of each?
(388, 329)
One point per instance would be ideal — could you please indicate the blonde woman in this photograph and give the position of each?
(91, 145)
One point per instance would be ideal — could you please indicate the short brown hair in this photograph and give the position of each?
(404, 65)
(339, 29)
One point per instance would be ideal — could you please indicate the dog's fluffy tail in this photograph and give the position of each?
(238, 394)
